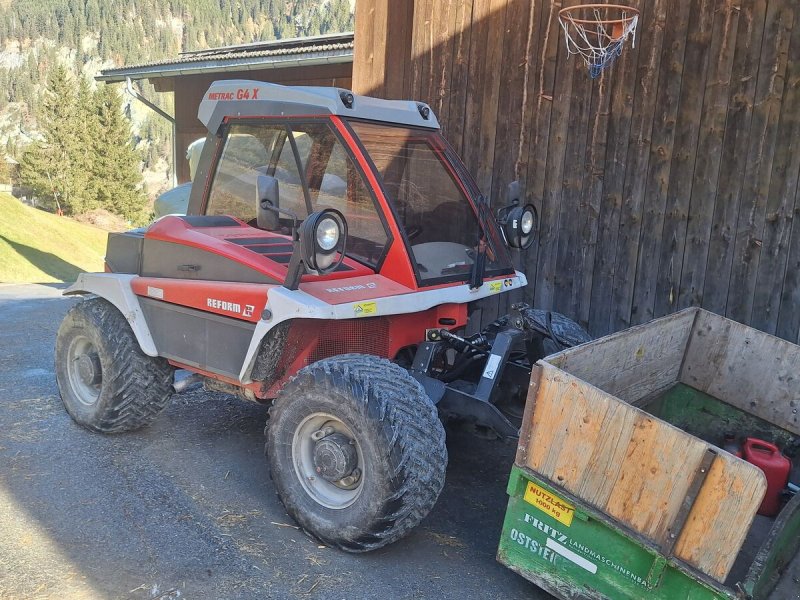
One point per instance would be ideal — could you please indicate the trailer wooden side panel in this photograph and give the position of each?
(721, 516)
(638, 468)
(746, 368)
(634, 363)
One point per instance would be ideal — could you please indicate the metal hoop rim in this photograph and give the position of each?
(567, 11)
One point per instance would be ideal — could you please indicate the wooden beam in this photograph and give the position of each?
(382, 54)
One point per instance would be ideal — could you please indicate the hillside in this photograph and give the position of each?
(39, 247)
(89, 35)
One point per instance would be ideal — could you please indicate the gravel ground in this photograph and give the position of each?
(185, 509)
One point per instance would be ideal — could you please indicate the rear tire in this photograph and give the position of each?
(389, 442)
(567, 331)
(106, 382)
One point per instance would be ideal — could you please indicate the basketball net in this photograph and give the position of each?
(599, 41)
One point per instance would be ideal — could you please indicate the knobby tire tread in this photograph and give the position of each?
(140, 386)
(410, 422)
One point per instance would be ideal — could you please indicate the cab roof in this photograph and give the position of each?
(243, 98)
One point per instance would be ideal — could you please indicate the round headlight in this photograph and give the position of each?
(327, 234)
(526, 222)
(323, 237)
(519, 226)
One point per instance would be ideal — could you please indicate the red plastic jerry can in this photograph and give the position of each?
(776, 467)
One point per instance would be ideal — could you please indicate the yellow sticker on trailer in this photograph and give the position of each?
(365, 309)
(551, 504)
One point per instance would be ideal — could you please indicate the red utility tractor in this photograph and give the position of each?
(332, 251)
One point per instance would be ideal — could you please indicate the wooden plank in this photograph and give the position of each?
(417, 76)
(487, 116)
(654, 477)
(460, 76)
(780, 199)
(746, 368)
(484, 82)
(593, 182)
(370, 47)
(512, 96)
(399, 31)
(729, 493)
(789, 316)
(441, 56)
(638, 469)
(709, 150)
(634, 363)
(673, 237)
(569, 248)
(637, 158)
(749, 36)
(660, 162)
(514, 104)
(610, 454)
(612, 175)
(547, 270)
(758, 168)
(566, 425)
(549, 52)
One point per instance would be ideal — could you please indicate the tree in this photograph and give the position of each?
(116, 170)
(48, 165)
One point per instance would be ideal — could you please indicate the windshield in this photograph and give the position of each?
(439, 220)
(304, 152)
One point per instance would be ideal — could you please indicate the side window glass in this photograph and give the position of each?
(289, 181)
(329, 173)
(334, 182)
(246, 155)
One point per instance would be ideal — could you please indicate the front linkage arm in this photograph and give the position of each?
(500, 357)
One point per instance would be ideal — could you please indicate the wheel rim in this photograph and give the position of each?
(331, 432)
(84, 370)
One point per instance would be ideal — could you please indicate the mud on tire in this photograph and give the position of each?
(400, 441)
(106, 382)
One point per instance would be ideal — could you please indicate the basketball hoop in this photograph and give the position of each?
(598, 32)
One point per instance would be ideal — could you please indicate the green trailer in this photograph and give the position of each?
(621, 488)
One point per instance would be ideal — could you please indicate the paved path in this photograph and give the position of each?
(185, 509)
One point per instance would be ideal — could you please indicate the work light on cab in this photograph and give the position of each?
(519, 226)
(326, 231)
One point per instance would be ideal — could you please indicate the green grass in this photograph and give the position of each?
(40, 247)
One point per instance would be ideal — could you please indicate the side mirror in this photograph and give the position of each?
(514, 193)
(267, 203)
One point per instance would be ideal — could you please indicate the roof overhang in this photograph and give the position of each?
(281, 54)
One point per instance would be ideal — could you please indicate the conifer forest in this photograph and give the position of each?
(69, 133)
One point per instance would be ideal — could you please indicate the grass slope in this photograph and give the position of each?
(40, 247)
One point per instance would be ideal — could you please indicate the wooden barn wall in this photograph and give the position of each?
(669, 181)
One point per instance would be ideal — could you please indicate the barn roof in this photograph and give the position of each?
(321, 49)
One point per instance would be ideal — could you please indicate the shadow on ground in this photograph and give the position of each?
(185, 508)
(47, 262)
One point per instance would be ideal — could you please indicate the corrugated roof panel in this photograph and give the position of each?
(313, 50)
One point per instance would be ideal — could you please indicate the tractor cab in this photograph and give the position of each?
(380, 169)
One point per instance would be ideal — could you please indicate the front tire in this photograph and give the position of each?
(106, 382)
(356, 451)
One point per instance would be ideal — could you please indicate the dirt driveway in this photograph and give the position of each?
(185, 509)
